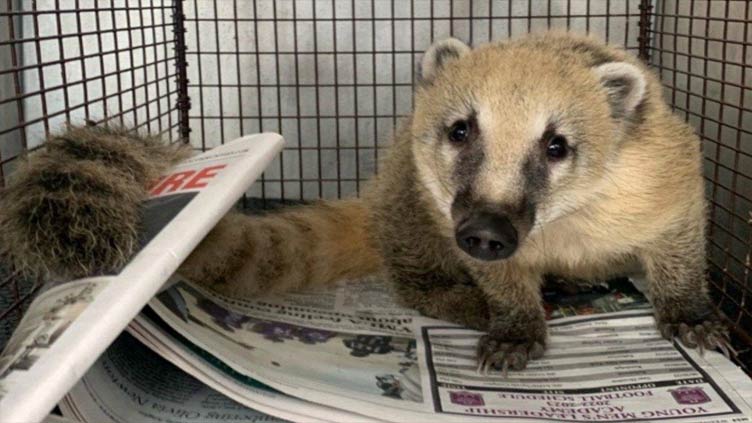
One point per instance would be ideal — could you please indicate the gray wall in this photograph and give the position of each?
(114, 42)
(10, 144)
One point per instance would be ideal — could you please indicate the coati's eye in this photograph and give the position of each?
(557, 148)
(460, 131)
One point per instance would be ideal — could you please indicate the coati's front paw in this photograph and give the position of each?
(503, 355)
(704, 334)
(514, 337)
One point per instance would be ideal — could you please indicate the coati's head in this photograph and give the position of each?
(509, 137)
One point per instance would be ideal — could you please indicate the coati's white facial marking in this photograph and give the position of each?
(431, 181)
(538, 125)
(552, 211)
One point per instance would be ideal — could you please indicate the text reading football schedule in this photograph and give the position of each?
(596, 368)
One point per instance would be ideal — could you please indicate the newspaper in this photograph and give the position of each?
(354, 349)
(130, 383)
(613, 367)
(70, 323)
(54, 418)
(148, 329)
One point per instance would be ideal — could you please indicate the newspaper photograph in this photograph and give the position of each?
(71, 322)
(605, 362)
(54, 309)
(362, 355)
(148, 329)
(131, 383)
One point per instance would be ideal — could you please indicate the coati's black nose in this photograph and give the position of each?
(487, 236)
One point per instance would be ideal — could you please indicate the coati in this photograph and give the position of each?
(550, 154)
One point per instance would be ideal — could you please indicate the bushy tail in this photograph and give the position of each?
(73, 209)
(302, 247)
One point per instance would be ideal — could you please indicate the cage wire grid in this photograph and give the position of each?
(335, 77)
(80, 61)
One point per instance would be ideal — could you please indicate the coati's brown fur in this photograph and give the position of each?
(72, 209)
(312, 245)
(627, 199)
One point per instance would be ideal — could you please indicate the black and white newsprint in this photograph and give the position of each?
(130, 383)
(352, 354)
(612, 367)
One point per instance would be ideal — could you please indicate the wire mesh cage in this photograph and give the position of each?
(334, 77)
(701, 50)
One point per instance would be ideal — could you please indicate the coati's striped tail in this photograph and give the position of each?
(294, 249)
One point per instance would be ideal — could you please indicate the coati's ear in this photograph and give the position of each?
(438, 55)
(625, 84)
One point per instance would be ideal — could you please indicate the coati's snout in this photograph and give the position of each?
(490, 231)
(487, 236)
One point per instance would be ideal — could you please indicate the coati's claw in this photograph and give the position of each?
(503, 355)
(708, 335)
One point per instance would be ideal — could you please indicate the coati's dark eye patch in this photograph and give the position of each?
(557, 148)
(461, 131)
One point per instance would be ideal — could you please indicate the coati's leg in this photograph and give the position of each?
(678, 291)
(517, 328)
(441, 296)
